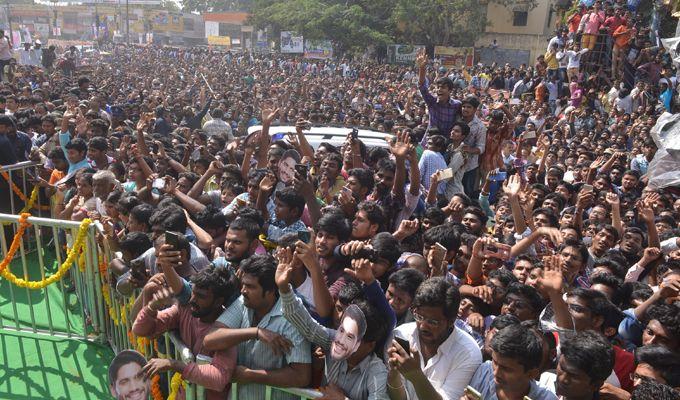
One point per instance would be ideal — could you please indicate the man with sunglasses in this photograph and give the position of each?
(450, 355)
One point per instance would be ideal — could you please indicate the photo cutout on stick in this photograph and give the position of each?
(350, 333)
(126, 378)
(287, 165)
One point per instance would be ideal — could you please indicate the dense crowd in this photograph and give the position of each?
(502, 243)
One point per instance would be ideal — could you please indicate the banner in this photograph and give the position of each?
(321, 49)
(219, 40)
(455, 56)
(402, 53)
(291, 43)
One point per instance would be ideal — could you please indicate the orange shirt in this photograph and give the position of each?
(622, 35)
(56, 176)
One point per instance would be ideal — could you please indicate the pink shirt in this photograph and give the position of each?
(216, 376)
(591, 23)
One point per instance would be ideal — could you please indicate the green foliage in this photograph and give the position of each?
(357, 24)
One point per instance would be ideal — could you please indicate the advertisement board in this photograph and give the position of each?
(219, 40)
(291, 42)
(402, 53)
(455, 56)
(320, 49)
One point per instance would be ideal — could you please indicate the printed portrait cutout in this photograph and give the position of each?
(126, 378)
(287, 165)
(350, 333)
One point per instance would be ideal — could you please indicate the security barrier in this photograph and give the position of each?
(81, 304)
(16, 187)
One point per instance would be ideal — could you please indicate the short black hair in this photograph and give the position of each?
(142, 213)
(520, 344)
(136, 243)
(248, 225)
(350, 292)
(435, 214)
(374, 213)
(334, 224)
(121, 359)
(386, 247)
(364, 176)
(263, 267)
(447, 235)
(221, 281)
(291, 198)
(504, 276)
(503, 321)
(438, 292)
(211, 217)
(407, 280)
(478, 212)
(98, 143)
(668, 315)
(590, 352)
(77, 144)
(652, 390)
(529, 292)
(169, 218)
(663, 360)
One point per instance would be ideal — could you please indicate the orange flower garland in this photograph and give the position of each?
(156, 393)
(16, 242)
(18, 191)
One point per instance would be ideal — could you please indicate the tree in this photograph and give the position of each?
(216, 5)
(350, 27)
(438, 22)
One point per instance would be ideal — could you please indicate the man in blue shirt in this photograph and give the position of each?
(515, 359)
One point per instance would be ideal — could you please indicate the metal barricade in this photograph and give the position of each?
(70, 307)
(16, 187)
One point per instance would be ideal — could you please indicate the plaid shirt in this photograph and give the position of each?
(442, 115)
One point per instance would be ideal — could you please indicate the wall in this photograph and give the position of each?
(532, 37)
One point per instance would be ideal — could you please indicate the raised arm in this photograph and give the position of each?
(511, 187)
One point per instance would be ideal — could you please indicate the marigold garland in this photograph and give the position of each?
(106, 293)
(156, 393)
(61, 271)
(21, 194)
(16, 242)
(175, 383)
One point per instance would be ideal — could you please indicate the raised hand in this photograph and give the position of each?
(284, 269)
(361, 270)
(512, 186)
(267, 183)
(401, 147)
(612, 199)
(421, 58)
(408, 227)
(161, 299)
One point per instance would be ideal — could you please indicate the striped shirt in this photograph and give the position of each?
(366, 381)
(442, 115)
(254, 354)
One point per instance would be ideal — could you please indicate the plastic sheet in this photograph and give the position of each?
(664, 169)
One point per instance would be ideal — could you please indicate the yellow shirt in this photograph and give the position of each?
(551, 60)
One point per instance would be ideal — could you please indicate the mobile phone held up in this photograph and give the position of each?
(302, 170)
(172, 238)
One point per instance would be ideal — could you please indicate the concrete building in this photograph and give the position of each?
(517, 33)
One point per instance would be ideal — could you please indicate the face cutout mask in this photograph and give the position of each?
(287, 166)
(350, 333)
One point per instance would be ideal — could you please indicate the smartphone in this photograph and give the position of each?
(355, 134)
(587, 188)
(405, 344)
(472, 393)
(440, 248)
(138, 269)
(501, 176)
(302, 169)
(497, 250)
(304, 236)
(172, 239)
(446, 174)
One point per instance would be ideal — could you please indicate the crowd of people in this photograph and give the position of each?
(503, 243)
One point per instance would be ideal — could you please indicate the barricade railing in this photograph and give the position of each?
(82, 304)
(16, 184)
(74, 299)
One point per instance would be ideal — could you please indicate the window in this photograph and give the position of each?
(519, 18)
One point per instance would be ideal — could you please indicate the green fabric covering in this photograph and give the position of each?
(63, 314)
(43, 367)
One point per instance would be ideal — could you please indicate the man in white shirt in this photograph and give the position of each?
(442, 358)
(217, 126)
(5, 53)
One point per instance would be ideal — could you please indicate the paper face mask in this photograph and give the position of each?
(349, 334)
(127, 380)
(287, 165)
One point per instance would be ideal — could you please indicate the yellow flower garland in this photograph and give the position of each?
(175, 383)
(21, 194)
(61, 271)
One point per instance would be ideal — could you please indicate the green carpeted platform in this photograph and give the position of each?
(42, 367)
(63, 314)
(39, 366)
